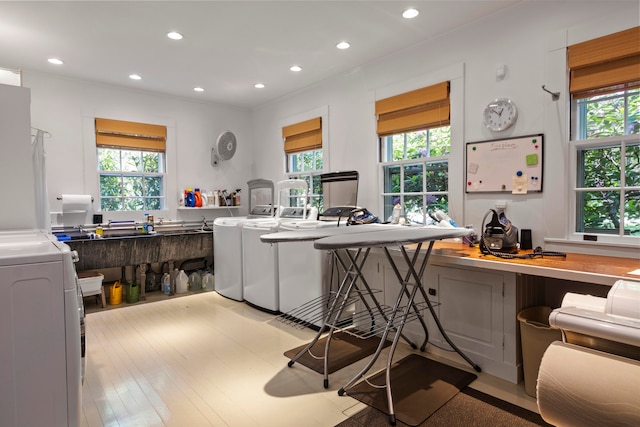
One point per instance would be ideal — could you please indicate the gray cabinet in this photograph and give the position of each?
(476, 307)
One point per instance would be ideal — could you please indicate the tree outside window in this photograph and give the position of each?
(415, 170)
(608, 164)
(130, 180)
(306, 165)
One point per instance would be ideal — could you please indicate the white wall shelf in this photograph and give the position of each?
(207, 208)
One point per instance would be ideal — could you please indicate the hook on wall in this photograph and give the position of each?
(554, 95)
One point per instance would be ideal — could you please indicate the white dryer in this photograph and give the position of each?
(41, 342)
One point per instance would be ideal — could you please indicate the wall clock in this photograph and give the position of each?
(500, 114)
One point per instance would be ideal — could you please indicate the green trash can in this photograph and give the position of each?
(535, 336)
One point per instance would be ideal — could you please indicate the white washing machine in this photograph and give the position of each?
(260, 260)
(41, 328)
(303, 274)
(227, 240)
(227, 252)
(260, 265)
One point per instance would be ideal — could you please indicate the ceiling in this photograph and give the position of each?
(228, 46)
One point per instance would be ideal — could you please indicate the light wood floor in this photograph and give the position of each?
(204, 360)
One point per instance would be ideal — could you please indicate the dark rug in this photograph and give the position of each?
(344, 350)
(419, 386)
(469, 408)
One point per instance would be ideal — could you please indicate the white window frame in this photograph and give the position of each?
(574, 147)
(135, 174)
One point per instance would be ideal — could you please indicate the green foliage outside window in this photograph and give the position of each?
(600, 169)
(306, 165)
(130, 180)
(421, 186)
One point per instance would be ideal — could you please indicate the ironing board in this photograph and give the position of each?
(388, 238)
(352, 264)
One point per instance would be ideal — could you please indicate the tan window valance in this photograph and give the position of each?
(606, 64)
(132, 135)
(303, 136)
(423, 108)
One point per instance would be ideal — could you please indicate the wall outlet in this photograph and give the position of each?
(501, 205)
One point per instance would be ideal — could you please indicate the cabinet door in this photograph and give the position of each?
(471, 305)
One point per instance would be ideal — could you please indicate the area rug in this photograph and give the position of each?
(344, 350)
(419, 386)
(469, 408)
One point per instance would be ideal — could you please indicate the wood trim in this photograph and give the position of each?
(623, 71)
(132, 129)
(302, 127)
(426, 95)
(124, 142)
(604, 49)
(424, 117)
(303, 142)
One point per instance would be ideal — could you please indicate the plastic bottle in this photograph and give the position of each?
(195, 282)
(208, 282)
(197, 198)
(181, 199)
(182, 282)
(216, 199)
(189, 200)
(166, 284)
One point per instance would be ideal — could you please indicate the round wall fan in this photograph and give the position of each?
(224, 148)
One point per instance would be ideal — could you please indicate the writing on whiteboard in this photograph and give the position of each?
(495, 146)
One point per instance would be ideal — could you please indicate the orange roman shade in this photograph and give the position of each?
(416, 110)
(303, 136)
(606, 64)
(132, 135)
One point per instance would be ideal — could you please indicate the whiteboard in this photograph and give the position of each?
(511, 165)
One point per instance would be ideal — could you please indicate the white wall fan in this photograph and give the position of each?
(224, 148)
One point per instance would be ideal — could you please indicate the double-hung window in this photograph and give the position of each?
(131, 165)
(303, 150)
(415, 143)
(605, 89)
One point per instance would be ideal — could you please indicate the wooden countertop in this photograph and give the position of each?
(597, 269)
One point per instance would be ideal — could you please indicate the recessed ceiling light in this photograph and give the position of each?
(198, 89)
(410, 13)
(55, 61)
(174, 35)
(343, 45)
(135, 77)
(259, 85)
(295, 68)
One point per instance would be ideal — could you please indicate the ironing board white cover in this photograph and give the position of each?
(389, 237)
(319, 233)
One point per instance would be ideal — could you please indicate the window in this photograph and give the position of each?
(303, 149)
(415, 143)
(131, 165)
(605, 128)
(306, 165)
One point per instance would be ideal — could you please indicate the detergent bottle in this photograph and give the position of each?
(197, 197)
(166, 284)
(189, 200)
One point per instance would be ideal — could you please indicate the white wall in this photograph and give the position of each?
(66, 109)
(529, 39)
